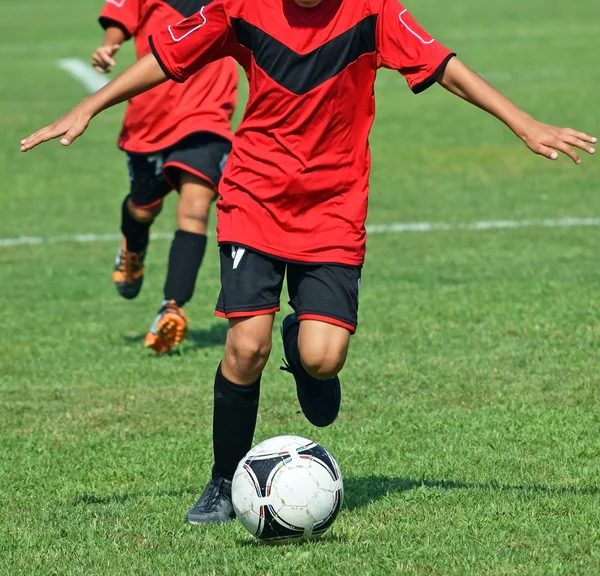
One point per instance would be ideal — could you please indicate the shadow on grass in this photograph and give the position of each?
(326, 539)
(196, 339)
(360, 492)
(87, 498)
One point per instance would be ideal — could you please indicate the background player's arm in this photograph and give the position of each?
(178, 51)
(145, 74)
(103, 57)
(542, 139)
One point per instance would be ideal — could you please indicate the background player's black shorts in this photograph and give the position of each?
(251, 284)
(154, 175)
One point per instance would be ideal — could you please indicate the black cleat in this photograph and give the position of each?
(319, 399)
(128, 271)
(214, 506)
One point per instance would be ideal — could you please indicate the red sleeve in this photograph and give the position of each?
(404, 46)
(183, 48)
(122, 13)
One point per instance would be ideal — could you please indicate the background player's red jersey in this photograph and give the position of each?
(297, 180)
(160, 118)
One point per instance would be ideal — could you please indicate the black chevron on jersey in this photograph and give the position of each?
(187, 7)
(301, 73)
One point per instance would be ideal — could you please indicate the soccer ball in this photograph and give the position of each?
(287, 489)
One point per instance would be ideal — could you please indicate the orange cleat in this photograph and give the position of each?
(128, 273)
(169, 328)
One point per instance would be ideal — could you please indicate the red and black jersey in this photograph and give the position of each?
(297, 180)
(160, 118)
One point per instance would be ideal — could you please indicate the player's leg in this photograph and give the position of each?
(193, 167)
(317, 336)
(236, 397)
(251, 285)
(139, 209)
(169, 328)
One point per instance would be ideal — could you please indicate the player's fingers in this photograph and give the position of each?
(566, 149)
(73, 133)
(579, 143)
(107, 60)
(101, 69)
(37, 138)
(582, 136)
(547, 152)
(99, 65)
(108, 53)
(102, 57)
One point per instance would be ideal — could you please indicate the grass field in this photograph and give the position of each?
(470, 429)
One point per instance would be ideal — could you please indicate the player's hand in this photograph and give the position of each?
(103, 58)
(548, 141)
(70, 127)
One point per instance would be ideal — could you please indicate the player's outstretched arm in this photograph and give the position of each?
(145, 74)
(543, 139)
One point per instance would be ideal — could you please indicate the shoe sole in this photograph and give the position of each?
(170, 332)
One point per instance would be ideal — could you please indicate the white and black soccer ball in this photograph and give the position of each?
(287, 488)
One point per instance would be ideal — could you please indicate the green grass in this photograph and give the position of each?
(469, 436)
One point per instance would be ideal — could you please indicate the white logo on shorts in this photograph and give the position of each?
(237, 254)
(158, 163)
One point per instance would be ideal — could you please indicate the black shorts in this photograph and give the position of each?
(251, 284)
(155, 174)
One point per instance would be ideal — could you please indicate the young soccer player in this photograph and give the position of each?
(294, 194)
(177, 136)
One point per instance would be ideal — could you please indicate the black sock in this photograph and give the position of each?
(292, 351)
(136, 233)
(234, 420)
(187, 252)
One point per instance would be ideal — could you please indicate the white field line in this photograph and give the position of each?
(91, 80)
(394, 228)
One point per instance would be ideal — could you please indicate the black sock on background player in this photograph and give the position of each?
(234, 420)
(185, 258)
(136, 233)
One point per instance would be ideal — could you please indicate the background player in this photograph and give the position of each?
(176, 136)
(294, 196)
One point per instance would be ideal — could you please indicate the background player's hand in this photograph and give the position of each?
(103, 58)
(548, 141)
(70, 126)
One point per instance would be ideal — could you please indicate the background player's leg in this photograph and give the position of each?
(138, 211)
(236, 396)
(189, 244)
(185, 257)
(135, 223)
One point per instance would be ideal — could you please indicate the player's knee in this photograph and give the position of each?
(194, 205)
(323, 348)
(323, 362)
(144, 214)
(195, 210)
(247, 354)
